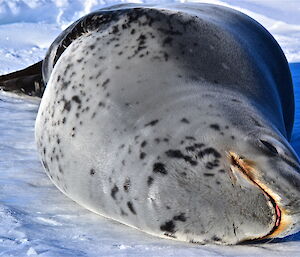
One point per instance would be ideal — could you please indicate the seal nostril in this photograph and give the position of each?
(269, 146)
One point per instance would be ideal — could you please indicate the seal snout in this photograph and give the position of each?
(247, 169)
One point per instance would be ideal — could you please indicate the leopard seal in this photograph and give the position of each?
(175, 120)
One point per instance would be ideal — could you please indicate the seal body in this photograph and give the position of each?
(174, 120)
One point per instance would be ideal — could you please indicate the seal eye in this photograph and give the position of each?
(269, 146)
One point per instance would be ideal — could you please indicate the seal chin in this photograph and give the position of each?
(281, 220)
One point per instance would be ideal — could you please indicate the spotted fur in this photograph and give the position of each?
(142, 107)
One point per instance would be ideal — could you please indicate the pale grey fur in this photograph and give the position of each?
(140, 112)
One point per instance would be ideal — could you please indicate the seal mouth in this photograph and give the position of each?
(246, 168)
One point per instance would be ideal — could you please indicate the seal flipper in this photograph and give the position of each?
(27, 81)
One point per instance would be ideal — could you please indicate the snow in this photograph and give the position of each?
(51, 16)
(35, 217)
(22, 44)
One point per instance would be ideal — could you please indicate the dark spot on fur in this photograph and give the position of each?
(211, 165)
(98, 75)
(67, 106)
(184, 120)
(190, 148)
(208, 151)
(143, 144)
(100, 104)
(114, 191)
(159, 167)
(235, 100)
(152, 123)
(131, 208)
(104, 84)
(149, 181)
(180, 217)
(115, 29)
(142, 155)
(179, 155)
(92, 172)
(215, 238)
(208, 174)
(215, 126)
(126, 185)
(190, 138)
(197, 145)
(45, 165)
(76, 99)
(169, 226)
(142, 39)
(65, 84)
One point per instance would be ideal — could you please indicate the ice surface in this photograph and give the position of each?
(35, 218)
